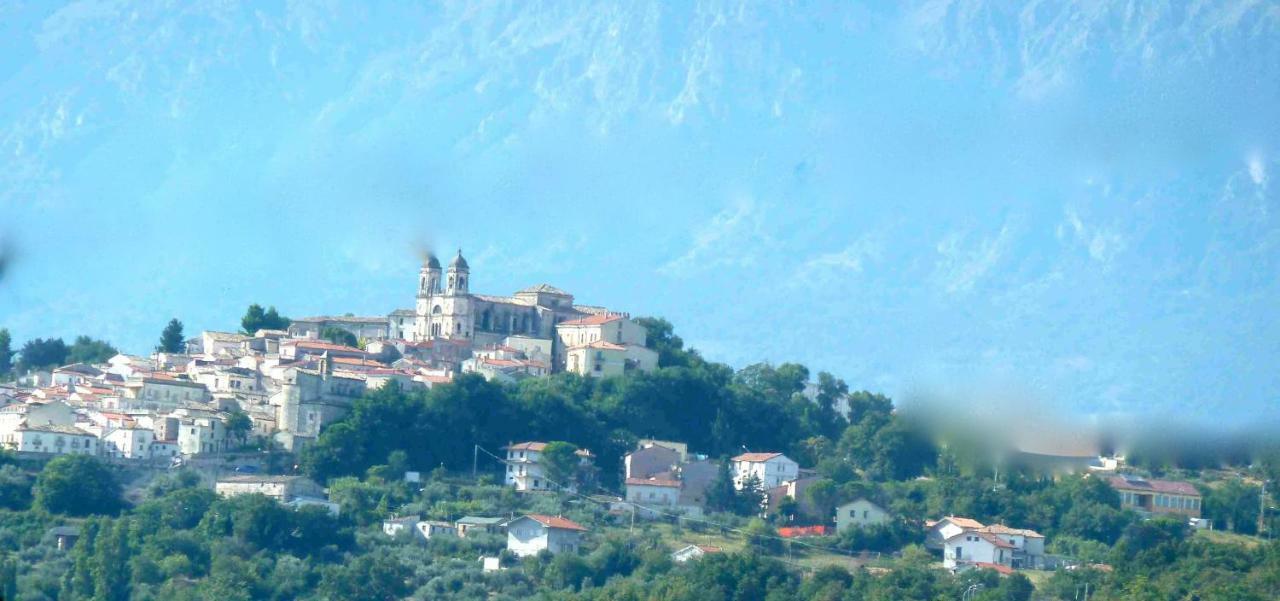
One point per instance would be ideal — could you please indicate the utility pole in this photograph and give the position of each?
(475, 459)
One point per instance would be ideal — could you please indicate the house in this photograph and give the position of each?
(794, 490)
(394, 526)
(650, 461)
(76, 373)
(198, 435)
(310, 399)
(299, 502)
(533, 533)
(128, 441)
(524, 467)
(771, 469)
(941, 530)
(653, 495)
(65, 537)
(157, 392)
(975, 546)
(1157, 497)
(363, 328)
(692, 552)
(53, 439)
(859, 513)
(281, 488)
(428, 529)
(1028, 545)
(470, 525)
(604, 344)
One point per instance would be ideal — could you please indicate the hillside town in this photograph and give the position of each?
(229, 399)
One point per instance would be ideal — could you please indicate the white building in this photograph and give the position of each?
(771, 469)
(692, 552)
(973, 547)
(654, 495)
(202, 435)
(532, 534)
(281, 488)
(428, 529)
(937, 532)
(524, 466)
(52, 439)
(129, 442)
(858, 514)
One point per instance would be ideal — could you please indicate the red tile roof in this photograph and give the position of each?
(1157, 486)
(966, 523)
(556, 522)
(756, 457)
(1001, 569)
(592, 320)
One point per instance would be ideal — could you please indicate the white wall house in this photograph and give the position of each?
(524, 465)
(51, 439)
(654, 495)
(532, 534)
(939, 531)
(974, 547)
(129, 442)
(859, 513)
(772, 469)
(280, 488)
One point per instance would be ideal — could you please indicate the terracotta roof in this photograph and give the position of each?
(556, 522)
(592, 320)
(1001, 569)
(966, 523)
(319, 344)
(527, 446)
(987, 536)
(653, 482)
(756, 457)
(1156, 486)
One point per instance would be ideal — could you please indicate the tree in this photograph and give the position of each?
(339, 336)
(239, 425)
(377, 576)
(8, 579)
(15, 488)
(171, 339)
(1234, 505)
(89, 350)
(255, 318)
(6, 353)
(42, 354)
(722, 495)
(560, 462)
(77, 485)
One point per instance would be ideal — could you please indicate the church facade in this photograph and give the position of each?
(447, 309)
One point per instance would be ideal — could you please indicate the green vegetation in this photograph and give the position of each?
(339, 336)
(179, 541)
(89, 350)
(256, 318)
(77, 485)
(6, 354)
(171, 339)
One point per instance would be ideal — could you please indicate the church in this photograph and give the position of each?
(446, 309)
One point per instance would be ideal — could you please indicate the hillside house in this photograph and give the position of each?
(859, 513)
(1157, 497)
(532, 534)
(771, 469)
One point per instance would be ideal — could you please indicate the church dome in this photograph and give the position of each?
(432, 261)
(459, 262)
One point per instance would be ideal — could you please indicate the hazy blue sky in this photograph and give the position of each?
(1074, 199)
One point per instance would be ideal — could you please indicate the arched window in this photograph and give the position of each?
(436, 310)
(462, 282)
(485, 319)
